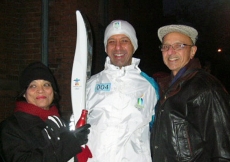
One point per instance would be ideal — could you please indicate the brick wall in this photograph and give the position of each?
(19, 44)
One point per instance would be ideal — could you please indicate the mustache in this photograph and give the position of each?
(119, 52)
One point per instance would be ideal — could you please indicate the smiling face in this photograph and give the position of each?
(120, 50)
(40, 93)
(177, 59)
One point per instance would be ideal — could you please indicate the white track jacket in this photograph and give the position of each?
(121, 105)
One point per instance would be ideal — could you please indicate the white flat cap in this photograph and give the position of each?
(187, 30)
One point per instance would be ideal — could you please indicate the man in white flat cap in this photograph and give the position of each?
(120, 101)
(193, 113)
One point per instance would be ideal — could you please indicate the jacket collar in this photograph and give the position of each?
(184, 74)
(23, 118)
(134, 65)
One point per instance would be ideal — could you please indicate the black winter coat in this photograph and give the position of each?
(192, 119)
(23, 141)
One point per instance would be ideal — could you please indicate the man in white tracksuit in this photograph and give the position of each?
(120, 100)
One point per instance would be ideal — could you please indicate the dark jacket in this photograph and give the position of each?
(22, 140)
(192, 119)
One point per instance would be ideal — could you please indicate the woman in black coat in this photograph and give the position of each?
(35, 132)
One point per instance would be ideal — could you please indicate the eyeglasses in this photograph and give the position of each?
(175, 46)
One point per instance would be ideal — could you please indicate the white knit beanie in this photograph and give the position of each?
(121, 27)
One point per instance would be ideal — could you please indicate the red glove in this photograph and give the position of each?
(84, 155)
